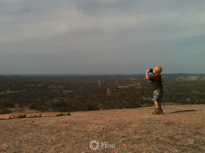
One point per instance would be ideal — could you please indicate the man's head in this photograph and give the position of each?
(157, 69)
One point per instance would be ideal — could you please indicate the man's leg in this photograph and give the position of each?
(156, 98)
(157, 104)
(158, 109)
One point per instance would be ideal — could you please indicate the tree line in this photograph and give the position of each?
(83, 93)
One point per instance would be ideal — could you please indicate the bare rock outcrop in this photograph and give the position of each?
(53, 114)
(191, 78)
(32, 115)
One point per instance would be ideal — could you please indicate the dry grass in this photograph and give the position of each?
(180, 129)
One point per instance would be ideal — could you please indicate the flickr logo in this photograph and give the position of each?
(94, 145)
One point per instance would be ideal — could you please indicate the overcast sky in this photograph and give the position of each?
(101, 36)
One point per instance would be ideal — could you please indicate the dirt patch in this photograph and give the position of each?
(180, 129)
(127, 86)
(69, 91)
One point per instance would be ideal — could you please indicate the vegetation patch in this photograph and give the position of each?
(85, 93)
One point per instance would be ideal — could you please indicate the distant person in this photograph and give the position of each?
(157, 87)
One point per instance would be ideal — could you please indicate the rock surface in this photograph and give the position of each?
(181, 129)
(31, 115)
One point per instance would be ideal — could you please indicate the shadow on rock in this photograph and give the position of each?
(182, 111)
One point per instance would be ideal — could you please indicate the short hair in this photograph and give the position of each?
(158, 68)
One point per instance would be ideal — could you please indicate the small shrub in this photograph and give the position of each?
(38, 106)
(4, 110)
(8, 104)
(61, 106)
(132, 104)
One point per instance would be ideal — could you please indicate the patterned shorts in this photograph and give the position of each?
(157, 95)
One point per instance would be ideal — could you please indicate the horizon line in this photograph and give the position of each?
(41, 74)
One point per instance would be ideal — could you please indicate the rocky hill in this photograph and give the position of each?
(191, 78)
(180, 129)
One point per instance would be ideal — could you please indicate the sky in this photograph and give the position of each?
(101, 36)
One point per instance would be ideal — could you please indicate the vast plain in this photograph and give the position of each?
(84, 93)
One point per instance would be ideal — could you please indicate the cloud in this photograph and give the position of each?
(31, 19)
(116, 32)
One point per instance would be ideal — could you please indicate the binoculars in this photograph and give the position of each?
(151, 70)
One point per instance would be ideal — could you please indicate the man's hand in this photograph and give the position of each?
(148, 70)
(147, 76)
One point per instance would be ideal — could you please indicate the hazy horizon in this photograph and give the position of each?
(101, 36)
(95, 74)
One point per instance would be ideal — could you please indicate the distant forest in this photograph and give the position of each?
(85, 93)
